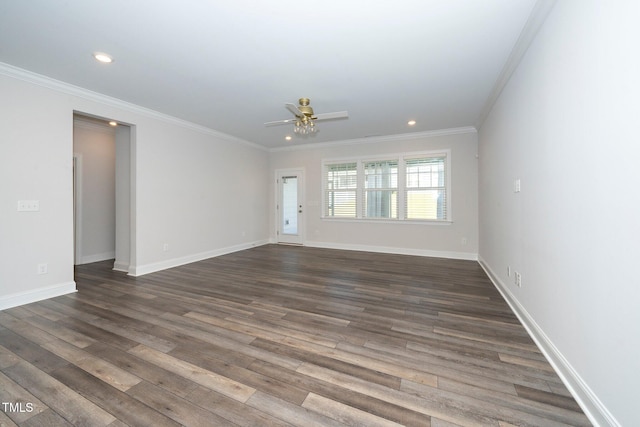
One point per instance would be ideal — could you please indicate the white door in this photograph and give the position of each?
(290, 206)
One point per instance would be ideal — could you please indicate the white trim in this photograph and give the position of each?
(594, 409)
(88, 259)
(140, 270)
(57, 85)
(401, 158)
(376, 139)
(400, 155)
(28, 297)
(121, 266)
(469, 256)
(300, 173)
(77, 206)
(387, 221)
(60, 86)
(538, 15)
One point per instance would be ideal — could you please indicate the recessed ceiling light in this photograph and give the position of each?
(288, 137)
(103, 57)
(113, 123)
(411, 122)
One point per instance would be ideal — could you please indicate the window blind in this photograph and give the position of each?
(425, 189)
(341, 184)
(381, 189)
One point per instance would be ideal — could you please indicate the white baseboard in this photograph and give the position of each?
(121, 266)
(397, 251)
(22, 298)
(88, 259)
(595, 410)
(176, 262)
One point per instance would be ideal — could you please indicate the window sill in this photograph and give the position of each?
(389, 221)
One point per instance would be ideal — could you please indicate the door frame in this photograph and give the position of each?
(128, 218)
(279, 173)
(77, 208)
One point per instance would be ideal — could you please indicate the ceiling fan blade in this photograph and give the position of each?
(294, 110)
(331, 116)
(279, 122)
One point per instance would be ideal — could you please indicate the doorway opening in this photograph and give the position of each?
(102, 191)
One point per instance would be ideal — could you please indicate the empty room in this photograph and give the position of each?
(243, 213)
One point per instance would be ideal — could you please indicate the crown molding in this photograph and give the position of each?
(538, 15)
(59, 86)
(69, 89)
(377, 139)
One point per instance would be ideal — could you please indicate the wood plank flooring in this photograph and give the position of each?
(279, 336)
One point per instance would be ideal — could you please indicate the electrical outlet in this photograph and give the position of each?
(518, 279)
(516, 186)
(464, 241)
(165, 247)
(43, 268)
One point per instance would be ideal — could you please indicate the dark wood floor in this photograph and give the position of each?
(279, 335)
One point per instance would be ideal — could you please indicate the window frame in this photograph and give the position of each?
(365, 189)
(401, 158)
(326, 189)
(444, 186)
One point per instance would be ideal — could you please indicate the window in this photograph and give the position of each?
(425, 191)
(381, 189)
(404, 187)
(341, 190)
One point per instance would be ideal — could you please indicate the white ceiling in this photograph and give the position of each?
(231, 65)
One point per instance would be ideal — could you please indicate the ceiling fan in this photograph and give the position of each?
(304, 120)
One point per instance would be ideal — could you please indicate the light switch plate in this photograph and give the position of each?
(28, 205)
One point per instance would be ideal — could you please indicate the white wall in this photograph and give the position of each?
(407, 238)
(564, 125)
(201, 192)
(124, 144)
(198, 195)
(95, 147)
(36, 148)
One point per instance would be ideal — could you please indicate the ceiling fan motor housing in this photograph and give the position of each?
(304, 107)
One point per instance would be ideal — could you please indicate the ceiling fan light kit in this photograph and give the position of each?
(305, 126)
(304, 121)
